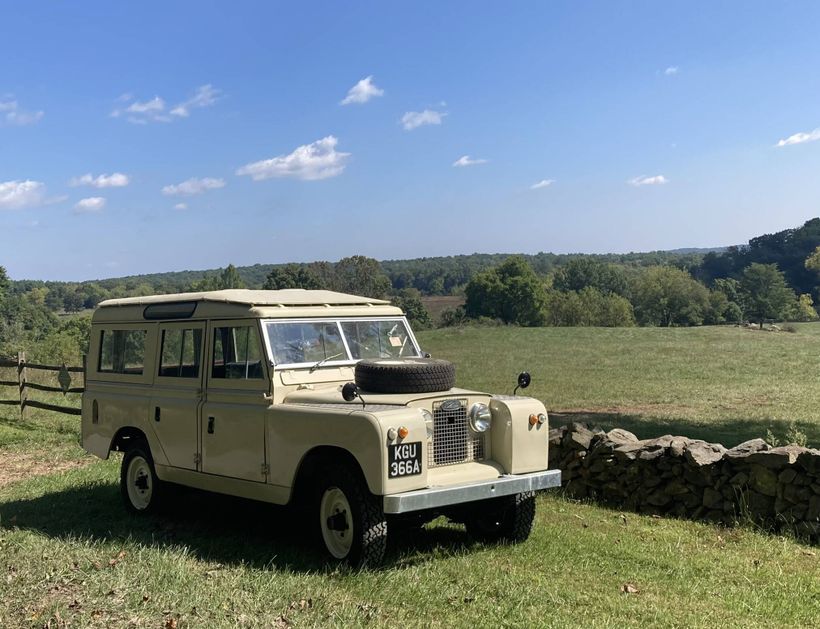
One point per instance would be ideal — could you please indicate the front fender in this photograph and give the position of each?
(293, 430)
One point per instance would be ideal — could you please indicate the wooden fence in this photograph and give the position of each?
(24, 385)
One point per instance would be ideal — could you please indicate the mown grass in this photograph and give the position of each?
(724, 384)
(70, 552)
(71, 556)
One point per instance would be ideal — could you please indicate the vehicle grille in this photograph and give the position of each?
(453, 441)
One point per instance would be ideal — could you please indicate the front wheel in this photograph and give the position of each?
(140, 488)
(351, 519)
(507, 520)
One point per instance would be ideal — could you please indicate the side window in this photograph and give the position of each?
(122, 351)
(237, 354)
(181, 353)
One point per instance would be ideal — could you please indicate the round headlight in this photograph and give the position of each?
(480, 417)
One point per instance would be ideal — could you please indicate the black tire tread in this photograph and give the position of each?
(419, 375)
(510, 521)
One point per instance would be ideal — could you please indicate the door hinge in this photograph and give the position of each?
(197, 459)
(265, 469)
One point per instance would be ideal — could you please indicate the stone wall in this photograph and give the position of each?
(775, 487)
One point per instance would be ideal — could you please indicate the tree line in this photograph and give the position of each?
(774, 276)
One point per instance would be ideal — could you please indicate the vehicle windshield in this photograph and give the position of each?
(310, 342)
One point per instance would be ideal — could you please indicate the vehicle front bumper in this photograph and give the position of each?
(456, 494)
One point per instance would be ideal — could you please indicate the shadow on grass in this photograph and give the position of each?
(212, 527)
(727, 432)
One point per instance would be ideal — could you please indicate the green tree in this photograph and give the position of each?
(4, 283)
(511, 292)
(766, 294)
(361, 275)
(580, 273)
(227, 278)
(804, 309)
(666, 296)
(292, 276)
(409, 300)
(812, 263)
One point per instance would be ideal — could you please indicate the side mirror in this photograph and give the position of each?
(524, 380)
(350, 392)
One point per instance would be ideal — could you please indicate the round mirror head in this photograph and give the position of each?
(350, 392)
(524, 379)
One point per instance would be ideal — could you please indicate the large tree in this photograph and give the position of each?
(511, 292)
(292, 276)
(766, 294)
(666, 296)
(360, 275)
(581, 273)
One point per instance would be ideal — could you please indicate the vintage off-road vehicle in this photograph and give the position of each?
(313, 398)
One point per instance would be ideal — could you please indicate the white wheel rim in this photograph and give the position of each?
(336, 521)
(139, 483)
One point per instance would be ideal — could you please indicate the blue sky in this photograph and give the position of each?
(148, 137)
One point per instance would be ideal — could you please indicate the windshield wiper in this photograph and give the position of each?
(318, 364)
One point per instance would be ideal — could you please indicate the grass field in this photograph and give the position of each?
(71, 556)
(725, 384)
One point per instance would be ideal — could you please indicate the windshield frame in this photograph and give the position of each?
(338, 321)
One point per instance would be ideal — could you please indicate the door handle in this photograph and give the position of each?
(156, 414)
(210, 425)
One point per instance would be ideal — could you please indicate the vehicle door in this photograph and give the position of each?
(233, 415)
(177, 393)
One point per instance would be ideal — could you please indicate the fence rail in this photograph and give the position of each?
(24, 386)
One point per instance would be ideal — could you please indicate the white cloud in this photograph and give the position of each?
(89, 205)
(800, 138)
(114, 180)
(13, 115)
(155, 110)
(466, 160)
(671, 71)
(206, 95)
(318, 160)
(17, 195)
(181, 206)
(193, 186)
(414, 119)
(544, 183)
(362, 92)
(643, 180)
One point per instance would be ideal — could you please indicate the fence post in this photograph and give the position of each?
(21, 380)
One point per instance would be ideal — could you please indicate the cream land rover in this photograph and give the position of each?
(313, 398)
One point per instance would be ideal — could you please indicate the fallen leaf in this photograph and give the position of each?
(809, 553)
(629, 588)
(171, 623)
(96, 614)
(301, 604)
(282, 622)
(75, 605)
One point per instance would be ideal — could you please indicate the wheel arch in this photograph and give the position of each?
(307, 473)
(125, 437)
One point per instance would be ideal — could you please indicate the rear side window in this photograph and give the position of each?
(181, 353)
(122, 351)
(237, 354)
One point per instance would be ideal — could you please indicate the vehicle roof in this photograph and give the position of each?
(245, 303)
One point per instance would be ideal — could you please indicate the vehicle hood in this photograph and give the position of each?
(333, 395)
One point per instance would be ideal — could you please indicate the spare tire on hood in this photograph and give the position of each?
(405, 375)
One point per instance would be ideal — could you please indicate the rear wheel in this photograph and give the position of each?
(507, 520)
(351, 519)
(140, 488)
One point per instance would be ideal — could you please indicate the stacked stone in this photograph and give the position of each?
(775, 487)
